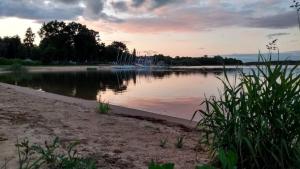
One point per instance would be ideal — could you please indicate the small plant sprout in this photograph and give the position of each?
(103, 108)
(179, 142)
(34, 156)
(163, 142)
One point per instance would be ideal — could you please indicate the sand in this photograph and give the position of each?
(124, 138)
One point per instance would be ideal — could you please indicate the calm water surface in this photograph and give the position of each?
(175, 93)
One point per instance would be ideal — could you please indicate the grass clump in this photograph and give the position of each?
(163, 143)
(154, 165)
(257, 119)
(103, 107)
(48, 157)
(179, 142)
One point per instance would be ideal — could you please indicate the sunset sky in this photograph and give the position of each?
(171, 27)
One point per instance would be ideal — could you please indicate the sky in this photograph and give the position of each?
(172, 27)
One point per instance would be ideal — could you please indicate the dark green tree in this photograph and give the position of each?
(11, 47)
(54, 37)
(29, 38)
(134, 55)
(28, 43)
(70, 42)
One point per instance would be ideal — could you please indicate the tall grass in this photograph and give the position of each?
(258, 118)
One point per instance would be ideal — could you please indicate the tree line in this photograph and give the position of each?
(62, 43)
(74, 43)
(195, 61)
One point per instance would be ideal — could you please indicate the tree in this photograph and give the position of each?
(11, 47)
(119, 49)
(55, 38)
(134, 55)
(119, 45)
(70, 42)
(29, 38)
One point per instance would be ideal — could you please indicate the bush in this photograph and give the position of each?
(4, 61)
(17, 68)
(258, 118)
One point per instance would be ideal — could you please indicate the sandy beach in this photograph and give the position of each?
(124, 138)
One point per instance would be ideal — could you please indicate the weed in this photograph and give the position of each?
(47, 156)
(163, 142)
(103, 108)
(154, 165)
(179, 142)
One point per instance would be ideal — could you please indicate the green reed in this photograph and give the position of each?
(257, 118)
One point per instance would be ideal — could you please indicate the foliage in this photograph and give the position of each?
(47, 156)
(179, 142)
(257, 117)
(17, 68)
(154, 165)
(103, 107)
(69, 43)
(29, 38)
(4, 61)
(195, 61)
(205, 167)
(11, 47)
(91, 69)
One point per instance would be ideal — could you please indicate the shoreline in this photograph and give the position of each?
(85, 68)
(117, 110)
(125, 138)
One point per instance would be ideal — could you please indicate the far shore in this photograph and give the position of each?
(108, 67)
(123, 138)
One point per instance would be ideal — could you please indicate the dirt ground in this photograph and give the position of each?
(115, 141)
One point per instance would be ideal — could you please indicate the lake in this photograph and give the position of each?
(175, 92)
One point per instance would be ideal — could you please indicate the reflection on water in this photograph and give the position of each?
(175, 93)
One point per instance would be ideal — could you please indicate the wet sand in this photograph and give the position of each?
(124, 138)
